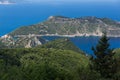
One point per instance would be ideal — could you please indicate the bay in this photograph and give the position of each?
(23, 14)
(85, 43)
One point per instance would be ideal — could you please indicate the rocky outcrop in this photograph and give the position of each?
(22, 41)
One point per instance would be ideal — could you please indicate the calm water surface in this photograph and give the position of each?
(16, 15)
(85, 43)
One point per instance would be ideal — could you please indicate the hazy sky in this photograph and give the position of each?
(117, 2)
(68, 1)
(74, 0)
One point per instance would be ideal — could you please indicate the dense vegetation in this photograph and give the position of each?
(59, 60)
(63, 44)
(117, 57)
(69, 26)
(104, 61)
(42, 64)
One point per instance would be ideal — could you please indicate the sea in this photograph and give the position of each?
(86, 43)
(13, 16)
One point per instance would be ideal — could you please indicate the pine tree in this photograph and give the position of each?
(104, 62)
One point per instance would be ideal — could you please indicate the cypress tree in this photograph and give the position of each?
(104, 62)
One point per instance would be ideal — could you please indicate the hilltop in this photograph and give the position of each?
(62, 44)
(65, 26)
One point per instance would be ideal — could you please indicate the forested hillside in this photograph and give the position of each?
(59, 60)
(42, 64)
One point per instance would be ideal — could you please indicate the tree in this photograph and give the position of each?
(104, 62)
(8, 58)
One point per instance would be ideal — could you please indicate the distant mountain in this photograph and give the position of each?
(64, 26)
(30, 36)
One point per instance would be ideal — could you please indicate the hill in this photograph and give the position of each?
(38, 42)
(42, 64)
(62, 43)
(62, 26)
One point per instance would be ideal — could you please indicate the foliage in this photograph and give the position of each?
(41, 64)
(63, 44)
(59, 60)
(104, 63)
(117, 57)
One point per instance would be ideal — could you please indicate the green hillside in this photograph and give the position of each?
(63, 44)
(117, 57)
(42, 64)
(55, 60)
(84, 26)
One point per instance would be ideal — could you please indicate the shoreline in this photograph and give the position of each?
(52, 35)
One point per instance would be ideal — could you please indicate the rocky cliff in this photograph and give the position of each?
(27, 41)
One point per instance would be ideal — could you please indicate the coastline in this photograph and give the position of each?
(36, 35)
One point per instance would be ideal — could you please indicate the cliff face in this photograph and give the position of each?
(84, 26)
(27, 41)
